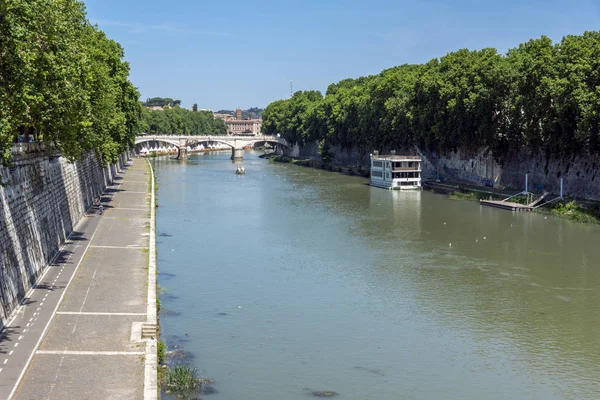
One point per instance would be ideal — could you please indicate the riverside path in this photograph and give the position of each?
(78, 334)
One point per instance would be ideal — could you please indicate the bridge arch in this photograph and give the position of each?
(236, 143)
(154, 139)
(270, 141)
(192, 140)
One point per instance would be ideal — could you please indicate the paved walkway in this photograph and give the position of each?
(78, 336)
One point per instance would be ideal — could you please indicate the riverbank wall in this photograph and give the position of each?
(42, 197)
(482, 168)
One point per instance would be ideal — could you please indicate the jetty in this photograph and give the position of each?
(506, 205)
(531, 203)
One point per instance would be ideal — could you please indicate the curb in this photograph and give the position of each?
(151, 359)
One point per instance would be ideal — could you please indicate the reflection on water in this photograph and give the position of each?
(291, 278)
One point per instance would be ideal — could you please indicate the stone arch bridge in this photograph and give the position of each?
(237, 143)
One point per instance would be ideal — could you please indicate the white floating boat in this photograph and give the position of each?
(396, 172)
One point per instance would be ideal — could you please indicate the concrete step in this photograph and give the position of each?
(148, 331)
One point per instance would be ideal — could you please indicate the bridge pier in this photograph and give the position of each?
(182, 153)
(237, 154)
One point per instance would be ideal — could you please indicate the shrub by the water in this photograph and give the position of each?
(467, 196)
(160, 351)
(575, 212)
(182, 380)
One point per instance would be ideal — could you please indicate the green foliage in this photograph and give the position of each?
(325, 151)
(541, 95)
(161, 349)
(161, 102)
(575, 212)
(63, 81)
(467, 196)
(179, 121)
(182, 380)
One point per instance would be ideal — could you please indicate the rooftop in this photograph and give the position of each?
(394, 157)
(242, 121)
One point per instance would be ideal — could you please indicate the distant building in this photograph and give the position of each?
(224, 117)
(238, 114)
(244, 127)
(155, 108)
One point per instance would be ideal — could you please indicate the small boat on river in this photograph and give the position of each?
(240, 170)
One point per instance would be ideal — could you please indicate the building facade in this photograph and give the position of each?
(244, 127)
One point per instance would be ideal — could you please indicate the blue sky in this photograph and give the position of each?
(244, 53)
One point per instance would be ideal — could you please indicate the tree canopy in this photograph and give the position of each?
(179, 121)
(161, 102)
(542, 95)
(63, 81)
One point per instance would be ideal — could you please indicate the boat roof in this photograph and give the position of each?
(395, 157)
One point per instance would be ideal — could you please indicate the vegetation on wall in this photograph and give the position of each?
(63, 81)
(541, 95)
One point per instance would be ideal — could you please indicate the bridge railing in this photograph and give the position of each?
(216, 138)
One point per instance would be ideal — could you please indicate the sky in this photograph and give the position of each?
(224, 55)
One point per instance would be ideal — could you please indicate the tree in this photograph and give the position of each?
(63, 81)
(540, 95)
(195, 107)
(179, 121)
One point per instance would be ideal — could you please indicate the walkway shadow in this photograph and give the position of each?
(27, 301)
(6, 337)
(77, 236)
(61, 258)
(47, 286)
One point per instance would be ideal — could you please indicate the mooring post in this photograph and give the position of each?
(561, 188)
(526, 183)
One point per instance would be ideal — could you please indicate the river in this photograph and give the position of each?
(290, 280)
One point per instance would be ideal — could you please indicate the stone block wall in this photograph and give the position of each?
(41, 201)
(579, 172)
(480, 167)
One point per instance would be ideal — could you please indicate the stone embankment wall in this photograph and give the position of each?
(41, 200)
(580, 173)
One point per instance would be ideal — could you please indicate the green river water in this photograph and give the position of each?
(290, 280)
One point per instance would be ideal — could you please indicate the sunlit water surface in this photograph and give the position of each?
(290, 280)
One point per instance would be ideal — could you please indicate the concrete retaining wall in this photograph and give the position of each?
(580, 173)
(42, 199)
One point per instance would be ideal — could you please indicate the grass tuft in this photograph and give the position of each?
(183, 381)
(160, 351)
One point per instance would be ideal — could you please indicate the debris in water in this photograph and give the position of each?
(326, 393)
